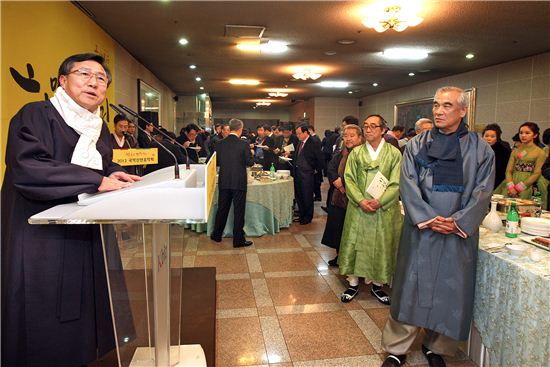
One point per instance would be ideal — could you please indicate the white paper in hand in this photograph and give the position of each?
(378, 185)
(289, 148)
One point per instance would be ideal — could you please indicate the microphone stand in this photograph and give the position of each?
(133, 113)
(176, 165)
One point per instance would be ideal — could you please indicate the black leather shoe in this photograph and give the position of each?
(394, 361)
(216, 239)
(305, 222)
(434, 360)
(243, 244)
(325, 209)
(333, 262)
(318, 199)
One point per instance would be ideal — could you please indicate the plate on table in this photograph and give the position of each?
(535, 232)
(537, 241)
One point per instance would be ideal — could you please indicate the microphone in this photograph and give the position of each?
(176, 165)
(133, 113)
(127, 138)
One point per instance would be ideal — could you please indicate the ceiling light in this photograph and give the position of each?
(330, 53)
(201, 88)
(375, 84)
(269, 47)
(273, 47)
(244, 81)
(192, 66)
(346, 42)
(198, 78)
(277, 94)
(263, 103)
(396, 16)
(306, 74)
(334, 84)
(350, 92)
(411, 74)
(405, 54)
(183, 41)
(470, 56)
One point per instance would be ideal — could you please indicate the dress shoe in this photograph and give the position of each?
(243, 244)
(318, 199)
(302, 222)
(216, 239)
(296, 219)
(325, 209)
(394, 361)
(333, 262)
(434, 360)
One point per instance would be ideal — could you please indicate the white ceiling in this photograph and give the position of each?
(495, 31)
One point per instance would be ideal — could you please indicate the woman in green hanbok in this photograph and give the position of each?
(525, 164)
(373, 219)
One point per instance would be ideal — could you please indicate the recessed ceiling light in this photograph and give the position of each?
(198, 78)
(346, 42)
(470, 56)
(350, 92)
(330, 53)
(183, 41)
(411, 74)
(375, 84)
(192, 66)
(334, 84)
(244, 81)
(201, 88)
(405, 54)
(273, 47)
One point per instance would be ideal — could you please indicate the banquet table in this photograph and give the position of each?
(268, 209)
(512, 304)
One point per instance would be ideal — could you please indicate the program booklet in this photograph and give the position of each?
(378, 185)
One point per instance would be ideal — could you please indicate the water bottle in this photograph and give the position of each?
(512, 222)
(272, 171)
(537, 198)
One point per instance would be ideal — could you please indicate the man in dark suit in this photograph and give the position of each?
(285, 139)
(308, 160)
(233, 156)
(263, 147)
(319, 174)
(165, 159)
(190, 140)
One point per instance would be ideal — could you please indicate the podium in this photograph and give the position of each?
(147, 213)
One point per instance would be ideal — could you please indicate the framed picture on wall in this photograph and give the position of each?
(408, 112)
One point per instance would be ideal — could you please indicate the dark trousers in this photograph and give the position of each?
(225, 197)
(303, 186)
(317, 187)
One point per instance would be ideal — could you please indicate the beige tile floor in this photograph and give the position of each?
(278, 303)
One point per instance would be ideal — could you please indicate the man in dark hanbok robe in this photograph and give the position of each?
(446, 183)
(55, 305)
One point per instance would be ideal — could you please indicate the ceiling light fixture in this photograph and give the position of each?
(263, 103)
(395, 16)
(192, 66)
(244, 81)
(306, 74)
(334, 84)
(375, 84)
(405, 54)
(198, 79)
(277, 94)
(330, 53)
(470, 56)
(183, 41)
(201, 88)
(350, 92)
(411, 74)
(269, 47)
(346, 42)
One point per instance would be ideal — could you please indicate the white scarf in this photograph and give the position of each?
(87, 124)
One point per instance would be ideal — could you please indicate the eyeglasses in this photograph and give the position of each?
(86, 74)
(371, 127)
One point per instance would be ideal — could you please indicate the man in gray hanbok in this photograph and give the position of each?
(446, 181)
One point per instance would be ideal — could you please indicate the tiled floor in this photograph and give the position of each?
(278, 303)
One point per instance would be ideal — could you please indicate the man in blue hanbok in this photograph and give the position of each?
(446, 182)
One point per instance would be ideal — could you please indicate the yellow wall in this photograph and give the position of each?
(43, 34)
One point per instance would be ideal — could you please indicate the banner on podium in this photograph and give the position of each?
(135, 157)
(210, 183)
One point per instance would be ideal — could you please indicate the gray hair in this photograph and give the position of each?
(354, 127)
(462, 96)
(235, 124)
(418, 124)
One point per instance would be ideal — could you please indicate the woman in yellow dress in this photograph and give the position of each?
(525, 164)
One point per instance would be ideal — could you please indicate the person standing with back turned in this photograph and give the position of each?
(233, 156)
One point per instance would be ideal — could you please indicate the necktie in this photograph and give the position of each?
(300, 147)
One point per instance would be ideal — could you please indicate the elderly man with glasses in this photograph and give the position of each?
(55, 305)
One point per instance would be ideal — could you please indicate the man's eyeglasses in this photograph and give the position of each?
(371, 127)
(86, 74)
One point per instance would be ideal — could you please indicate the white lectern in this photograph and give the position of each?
(153, 204)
